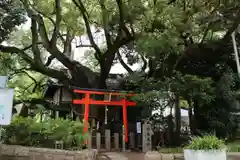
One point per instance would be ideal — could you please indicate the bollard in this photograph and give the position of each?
(89, 143)
(132, 140)
(116, 141)
(98, 140)
(123, 140)
(107, 139)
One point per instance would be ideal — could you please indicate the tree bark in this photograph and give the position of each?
(191, 118)
(177, 118)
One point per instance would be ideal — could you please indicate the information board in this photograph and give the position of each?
(139, 127)
(6, 105)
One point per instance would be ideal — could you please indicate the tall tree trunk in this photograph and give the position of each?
(191, 117)
(170, 135)
(198, 117)
(177, 119)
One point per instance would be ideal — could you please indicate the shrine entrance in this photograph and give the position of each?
(109, 99)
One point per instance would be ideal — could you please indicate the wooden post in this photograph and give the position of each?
(107, 139)
(132, 140)
(98, 140)
(123, 140)
(89, 143)
(86, 112)
(125, 121)
(116, 141)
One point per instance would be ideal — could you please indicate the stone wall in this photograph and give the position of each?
(11, 152)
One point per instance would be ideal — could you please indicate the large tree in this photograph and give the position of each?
(55, 24)
(161, 29)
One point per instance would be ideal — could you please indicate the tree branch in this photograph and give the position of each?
(144, 67)
(211, 24)
(49, 60)
(84, 45)
(83, 11)
(45, 103)
(120, 40)
(52, 49)
(47, 71)
(41, 25)
(151, 67)
(30, 46)
(67, 42)
(21, 70)
(57, 23)
(105, 23)
(233, 27)
(122, 25)
(125, 66)
(43, 14)
(21, 53)
(35, 49)
(50, 19)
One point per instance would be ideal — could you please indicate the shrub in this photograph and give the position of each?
(208, 142)
(29, 132)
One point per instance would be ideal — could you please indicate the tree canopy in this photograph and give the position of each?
(194, 36)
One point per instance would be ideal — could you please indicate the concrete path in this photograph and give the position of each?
(234, 156)
(134, 155)
(140, 156)
(112, 156)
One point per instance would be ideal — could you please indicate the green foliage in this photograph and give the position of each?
(234, 146)
(28, 132)
(187, 86)
(194, 87)
(12, 15)
(207, 142)
(27, 85)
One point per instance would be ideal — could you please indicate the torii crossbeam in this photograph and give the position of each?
(86, 101)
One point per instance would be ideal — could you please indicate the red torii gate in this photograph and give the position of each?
(88, 101)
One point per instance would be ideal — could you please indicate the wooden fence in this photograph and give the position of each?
(109, 141)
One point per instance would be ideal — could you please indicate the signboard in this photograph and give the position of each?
(139, 127)
(147, 137)
(6, 105)
(3, 81)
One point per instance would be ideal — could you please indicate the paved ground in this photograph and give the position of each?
(133, 156)
(112, 156)
(140, 156)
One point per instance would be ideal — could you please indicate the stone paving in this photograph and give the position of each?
(115, 156)
(141, 156)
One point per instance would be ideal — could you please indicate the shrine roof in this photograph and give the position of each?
(113, 83)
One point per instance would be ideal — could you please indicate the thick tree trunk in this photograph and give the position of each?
(106, 65)
(200, 121)
(170, 132)
(177, 119)
(191, 118)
